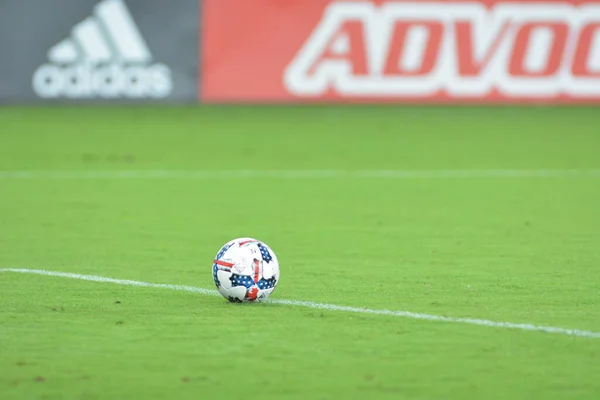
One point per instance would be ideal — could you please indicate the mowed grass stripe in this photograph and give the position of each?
(303, 174)
(322, 306)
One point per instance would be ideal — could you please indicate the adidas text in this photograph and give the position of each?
(111, 81)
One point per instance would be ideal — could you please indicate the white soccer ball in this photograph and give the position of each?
(246, 269)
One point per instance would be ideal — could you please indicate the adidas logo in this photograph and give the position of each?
(105, 57)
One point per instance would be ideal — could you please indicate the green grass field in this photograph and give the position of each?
(509, 247)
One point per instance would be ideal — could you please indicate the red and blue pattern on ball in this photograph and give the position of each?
(216, 267)
(246, 281)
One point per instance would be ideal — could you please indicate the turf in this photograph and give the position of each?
(518, 249)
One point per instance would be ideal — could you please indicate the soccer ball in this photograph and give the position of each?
(245, 269)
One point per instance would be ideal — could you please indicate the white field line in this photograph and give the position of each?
(303, 174)
(322, 306)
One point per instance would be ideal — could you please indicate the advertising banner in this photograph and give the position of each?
(98, 50)
(400, 51)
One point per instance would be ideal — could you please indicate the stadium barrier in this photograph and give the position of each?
(401, 51)
(296, 51)
(98, 51)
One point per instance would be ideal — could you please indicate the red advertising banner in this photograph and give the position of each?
(400, 51)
